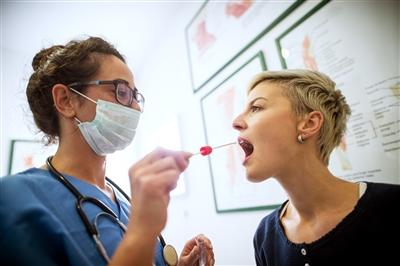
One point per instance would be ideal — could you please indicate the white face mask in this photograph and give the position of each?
(112, 129)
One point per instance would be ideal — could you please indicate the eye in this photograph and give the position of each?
(123, 90)
(255, 108)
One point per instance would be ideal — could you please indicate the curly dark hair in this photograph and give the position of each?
(76, 61)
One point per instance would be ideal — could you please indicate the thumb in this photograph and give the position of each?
(191, 258)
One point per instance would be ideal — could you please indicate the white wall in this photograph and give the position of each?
(166, 84)
(16, 119)
(164, 79)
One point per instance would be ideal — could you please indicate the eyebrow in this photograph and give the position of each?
(258, 98)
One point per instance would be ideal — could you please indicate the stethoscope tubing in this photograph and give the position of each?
(81, 199)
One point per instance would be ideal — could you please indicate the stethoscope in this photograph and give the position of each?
(169, 253)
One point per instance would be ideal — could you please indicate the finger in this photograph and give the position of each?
(163, 164)
(179, 155)
(155, 185)
(193, 256)
(205, 240)
(158, 172)
(210, 257)
(164, 181)
(211, 262)
(153, 156)
(182, 159)
(189, 246)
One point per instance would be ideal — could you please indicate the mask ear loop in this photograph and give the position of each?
(83, 95)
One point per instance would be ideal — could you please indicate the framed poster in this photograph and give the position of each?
(363, 60)
(232, 191)
(25, 154)
(222, 30)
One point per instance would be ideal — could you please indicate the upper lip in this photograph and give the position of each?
(246, 146)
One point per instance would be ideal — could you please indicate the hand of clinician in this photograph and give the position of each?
(152, 179)
(197, 251)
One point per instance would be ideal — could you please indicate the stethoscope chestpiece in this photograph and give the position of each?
(170, 255)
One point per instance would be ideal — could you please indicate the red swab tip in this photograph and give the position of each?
(205, 150)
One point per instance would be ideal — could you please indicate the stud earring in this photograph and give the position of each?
(300, 139)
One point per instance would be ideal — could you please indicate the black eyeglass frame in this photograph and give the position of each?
(136, 95)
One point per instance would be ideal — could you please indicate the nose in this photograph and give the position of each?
(238, 123)
(135, 105)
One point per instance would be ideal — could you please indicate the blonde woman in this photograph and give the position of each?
(291, 123)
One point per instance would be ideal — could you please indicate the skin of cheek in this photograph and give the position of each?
(86, 110)
(273, 148)
(272, 131)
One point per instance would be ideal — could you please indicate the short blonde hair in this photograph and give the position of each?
(312, 91)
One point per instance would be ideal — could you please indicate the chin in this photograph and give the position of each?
(254, 177)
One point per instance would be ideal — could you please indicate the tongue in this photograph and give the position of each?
(247, 147)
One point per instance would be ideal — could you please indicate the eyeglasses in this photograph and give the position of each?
(124, 94)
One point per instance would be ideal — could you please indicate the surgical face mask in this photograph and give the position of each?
(112, 129)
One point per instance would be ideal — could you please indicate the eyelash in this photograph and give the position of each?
(255, 108)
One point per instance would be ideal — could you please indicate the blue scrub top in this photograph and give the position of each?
(40, 225)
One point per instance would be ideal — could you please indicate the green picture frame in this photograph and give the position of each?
(26, 153)
(211, 51)
(363, 62)
(281, 50)
(232, 191)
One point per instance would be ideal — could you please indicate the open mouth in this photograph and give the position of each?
(246, 146)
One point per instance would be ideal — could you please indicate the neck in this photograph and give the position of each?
(78, 160)
(313, 190)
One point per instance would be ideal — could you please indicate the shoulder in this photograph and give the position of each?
(30, 174)
(23, 207)
(268, 227)
(268, 221)
(26, 178)
(383, 191)
(380, 197)
(24, 191)
(383, 186)
(26, 181)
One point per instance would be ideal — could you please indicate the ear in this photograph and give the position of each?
(310, 125)
(62, 98)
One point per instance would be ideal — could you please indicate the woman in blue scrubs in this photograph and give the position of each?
(83, 96)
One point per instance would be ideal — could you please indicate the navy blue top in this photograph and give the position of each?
(369, 235)
(40, 225)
